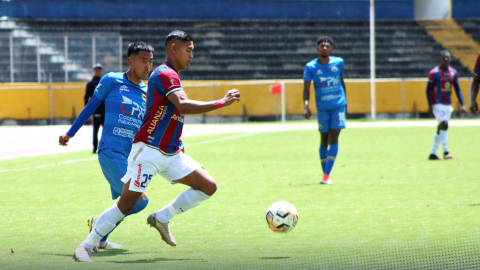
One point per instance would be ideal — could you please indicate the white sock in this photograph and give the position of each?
(105, 223)
(443, 137)
(436, 143)
(187, 200)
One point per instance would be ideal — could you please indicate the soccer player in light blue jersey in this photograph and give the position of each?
(124, 96)
(327, 74)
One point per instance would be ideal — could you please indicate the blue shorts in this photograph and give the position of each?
(114, 166)
(331, 119)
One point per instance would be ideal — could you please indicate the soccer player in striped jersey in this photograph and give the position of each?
(475, 86)
(158, 148)
(124, 97)
(439, 90)
(327, 74)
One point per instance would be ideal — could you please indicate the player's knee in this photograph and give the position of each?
(126, 205)
(444, 125)
(210, 188)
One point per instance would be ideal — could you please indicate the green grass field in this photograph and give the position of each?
(388, 208)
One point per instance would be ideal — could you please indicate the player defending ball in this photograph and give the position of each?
(439, 90)
(158, 148)
(327, 74)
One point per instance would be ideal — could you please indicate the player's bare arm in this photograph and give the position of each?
(458, 93)
(63, 140)
(306, 99)
(188, 106)
(473, 95)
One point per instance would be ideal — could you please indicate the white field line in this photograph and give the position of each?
(50, 165)
(233, 137)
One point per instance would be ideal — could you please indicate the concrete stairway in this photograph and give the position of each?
(455, 39)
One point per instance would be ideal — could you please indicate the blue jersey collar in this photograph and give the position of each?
(170, 66)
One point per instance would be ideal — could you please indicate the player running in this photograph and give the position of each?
(158, 149)
(327, 74)
(475, 86)
(440, 81)
(124, 96)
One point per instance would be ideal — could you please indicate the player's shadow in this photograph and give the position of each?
(111, 252)
(472, 204)
(156, 260)
(274, 258)
(310, 184)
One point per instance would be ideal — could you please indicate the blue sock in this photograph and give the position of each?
(139, 206)
(331, 155)
(323, 156)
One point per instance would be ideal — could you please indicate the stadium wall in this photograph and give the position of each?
(206, 9)
(31, 101)
(465, 9)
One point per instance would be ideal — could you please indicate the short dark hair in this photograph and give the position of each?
(183, 36)
(444, 52)
(325, 39)
(135, 47)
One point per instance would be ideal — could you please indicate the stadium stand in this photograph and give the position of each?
(238, 49)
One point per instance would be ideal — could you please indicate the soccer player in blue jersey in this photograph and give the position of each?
(475, 86)
(439, 91)
(327, 74)
(124, 97)
(158, 148)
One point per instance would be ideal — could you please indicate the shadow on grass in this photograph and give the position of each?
(156, 260)
(118, 251)
(274, 258)
(311, 184)
(111, 252)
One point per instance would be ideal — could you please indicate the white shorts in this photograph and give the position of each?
(144, 162)
(442, 112)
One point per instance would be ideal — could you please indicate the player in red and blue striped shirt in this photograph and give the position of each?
(158, 148)
(475, 86)
(439, 90)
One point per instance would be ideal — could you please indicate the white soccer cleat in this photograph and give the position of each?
(326, 180)
(163, 229)
(107, 244)
(82, 255)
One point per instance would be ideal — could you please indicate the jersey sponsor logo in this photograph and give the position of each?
(159, 114)
(329, 81)
(137, 181)
(331, 97)
(178, 118)
(334, 69)
(124, 88)
(126, 133)
(134, 107)
(447, 87)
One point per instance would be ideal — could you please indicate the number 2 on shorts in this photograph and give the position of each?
(148, 177)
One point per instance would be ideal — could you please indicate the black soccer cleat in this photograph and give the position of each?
(434, 157)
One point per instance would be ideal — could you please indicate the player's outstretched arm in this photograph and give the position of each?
(188, 106)
(86, 113)
(473, 95)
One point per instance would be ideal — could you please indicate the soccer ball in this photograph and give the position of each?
(281, 217)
